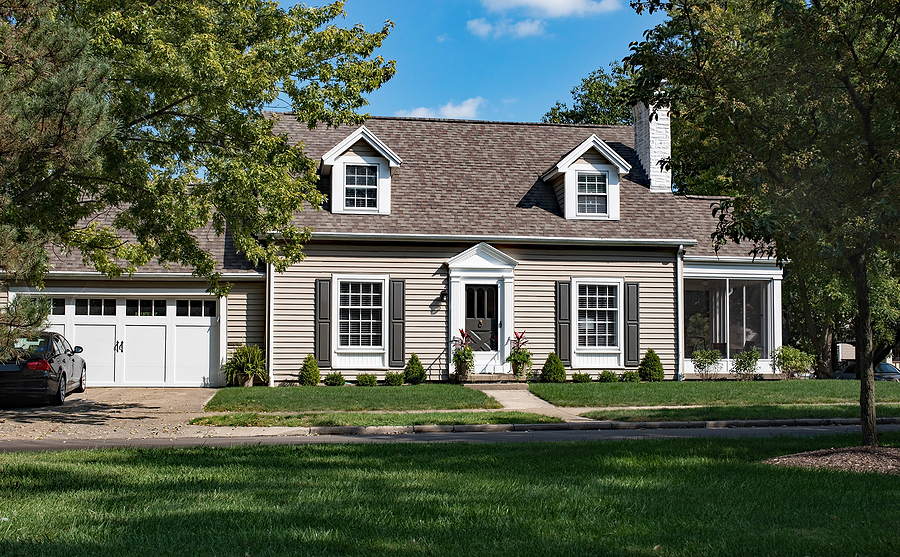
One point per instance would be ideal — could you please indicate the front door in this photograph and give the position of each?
(482, 311)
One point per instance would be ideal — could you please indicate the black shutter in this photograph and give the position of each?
(397, 322)
(632, 324)
(564, 322)
(322, 339)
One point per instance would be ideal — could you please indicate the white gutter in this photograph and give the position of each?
(714, 259)
(270, 320)
(138, 276)
(679, 309)
(670, 242)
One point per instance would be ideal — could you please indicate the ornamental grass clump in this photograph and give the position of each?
(309, 372)
(608, 376)
(707, 363)
(393, 378)
(414, 373)
(246, 365)
(650, 368)
(553, 370)
(581, 378)
(366, 380)
(334, 379)
(630, 376)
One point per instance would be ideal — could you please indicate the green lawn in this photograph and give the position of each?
(760, 412)
(685, 497)
(709, 393)
(347, 398)
(375, 419)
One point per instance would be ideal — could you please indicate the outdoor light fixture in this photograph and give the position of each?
(444, 295)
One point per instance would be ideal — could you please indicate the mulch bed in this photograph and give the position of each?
(878, 460)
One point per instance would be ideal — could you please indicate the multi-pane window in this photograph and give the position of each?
(361, 187)
(592, 199)
(360, 314)
(598, 315)
(94, 306)
(145, 308)
(195, 308)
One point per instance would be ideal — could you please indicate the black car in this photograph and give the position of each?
(45, 368)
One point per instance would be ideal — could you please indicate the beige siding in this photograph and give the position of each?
(246, 315)
(559, 188)
(426, 318)
(362, 149)
(4, 295)
(592, 157)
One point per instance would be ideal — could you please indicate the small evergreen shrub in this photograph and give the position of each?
(744, 364)
(553, 370)
(414, 372)
(630, 376)
(608, 376)
(651, 368)
(309, 372)
(393, 378)
(246, 364)
(366, 380)
(707, 363)
(581, 378)
(334, 379)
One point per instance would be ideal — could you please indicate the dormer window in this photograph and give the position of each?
(592, 197)
(361, 187)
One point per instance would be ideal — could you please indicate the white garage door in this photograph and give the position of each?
(143, 341)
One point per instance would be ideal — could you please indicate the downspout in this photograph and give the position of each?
(679, 309)
(270, 319)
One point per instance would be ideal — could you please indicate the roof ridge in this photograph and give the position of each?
(471, 121)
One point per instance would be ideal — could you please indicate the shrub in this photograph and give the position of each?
(608, 376)
(744, 364)
(630, 376)
(553, 370)
(519, 356)
(309, 372)
(393, 378)
(366, 380)
(463, 357)
(707, 363)
(650, 368)
(791, 361)
(414, 373)
(581, 378)
(246, 364)
(335, 379)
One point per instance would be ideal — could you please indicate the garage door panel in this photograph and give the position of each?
(145, 355)
(196, 351)
(98, 341)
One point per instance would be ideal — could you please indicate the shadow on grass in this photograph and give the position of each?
(692, 497)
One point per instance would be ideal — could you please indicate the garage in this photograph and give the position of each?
(145, 339)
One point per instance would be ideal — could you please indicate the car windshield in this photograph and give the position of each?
(885, 368)
(40, 345)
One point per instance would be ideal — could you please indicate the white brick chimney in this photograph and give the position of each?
(653, 143)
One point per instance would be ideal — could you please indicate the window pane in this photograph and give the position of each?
(131, 308)
(359, 313)
(209, 308)
(181, 308)
(159, 308)
(109, 307)
(95, 307)
(81, 307)
(597, 315)
(59, 306)
(196, 308)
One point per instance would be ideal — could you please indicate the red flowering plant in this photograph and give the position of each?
(463, 356)
(519, 356)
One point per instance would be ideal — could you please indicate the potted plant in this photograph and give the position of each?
(519, 356)
(463, 356)
(246, 364)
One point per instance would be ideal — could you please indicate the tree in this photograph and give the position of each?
(602, 98)
(799, 99)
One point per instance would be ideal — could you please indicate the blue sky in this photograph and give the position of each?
(508, 60)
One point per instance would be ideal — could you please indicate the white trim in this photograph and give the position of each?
(359, 356)
(561, 240)
(570, 206)
(159, 275)
(593, 142)
(329, 159)
(679, 316)
(579, 353)
(339, 187)
(270, 322)
(116, 292)
(733, 269)
(221, 324)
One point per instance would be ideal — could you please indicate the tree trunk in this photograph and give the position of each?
(864, 350)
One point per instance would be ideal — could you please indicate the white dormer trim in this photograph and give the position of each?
(330, 158)
(336, 160)
(593, 142)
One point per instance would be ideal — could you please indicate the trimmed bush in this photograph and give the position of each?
(707, 363)
(393, 378)
(414, 372)
(366, 380)
(651, 368)
(608, 376)
(334, 379)
(246, 365)
(630, 376)
(581, 378)
(791, 361)
(309, 372)
(744, 364)
(553, 370)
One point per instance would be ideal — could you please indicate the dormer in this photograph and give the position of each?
(360, 167)
(586, 181)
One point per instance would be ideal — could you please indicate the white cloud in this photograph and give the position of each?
(466, 110)
(506, 28)
(510, 101)
(442, 38)
(556, 8)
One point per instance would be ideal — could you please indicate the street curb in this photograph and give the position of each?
(584, 426)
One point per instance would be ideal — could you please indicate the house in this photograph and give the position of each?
(570, 233)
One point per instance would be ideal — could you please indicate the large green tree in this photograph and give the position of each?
(799, 99)
(601, 98)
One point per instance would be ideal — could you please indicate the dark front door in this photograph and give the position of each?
(481, 316)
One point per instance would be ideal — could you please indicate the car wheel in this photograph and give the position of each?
(82, 382)
(60, 396)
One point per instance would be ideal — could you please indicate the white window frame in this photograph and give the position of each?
(620, 326)
(612, 191)
(339, 185)
(578, 194)
(359, 357)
